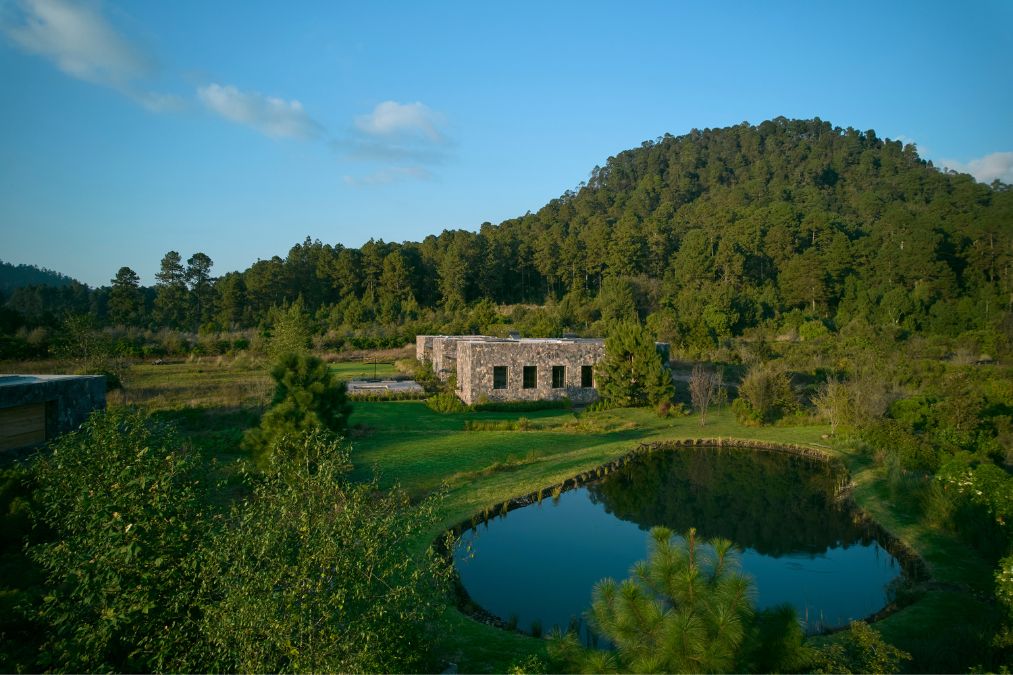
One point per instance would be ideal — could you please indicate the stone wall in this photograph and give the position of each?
(476, 359)
(68, 399)
(424, 347)
(445, 348)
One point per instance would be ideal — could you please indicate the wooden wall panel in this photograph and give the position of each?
(22, 425)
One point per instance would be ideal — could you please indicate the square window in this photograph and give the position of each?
(558, 377)
(530, 377)
(499, 377)
(586, 377)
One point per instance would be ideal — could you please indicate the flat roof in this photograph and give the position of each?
(490, 338)
(10, 380)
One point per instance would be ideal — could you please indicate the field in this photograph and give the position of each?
(482, 459)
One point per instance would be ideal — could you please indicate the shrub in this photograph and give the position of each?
(376, 396)
(446, 404)
(336, 584)
(764, 395)
(123, 501)
(860, 649)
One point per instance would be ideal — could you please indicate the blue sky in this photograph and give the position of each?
(237, 129)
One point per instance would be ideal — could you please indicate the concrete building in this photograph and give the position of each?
(514, 369)
(36, 408)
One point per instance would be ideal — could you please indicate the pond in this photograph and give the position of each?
(538, 564)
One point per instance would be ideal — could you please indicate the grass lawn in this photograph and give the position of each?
(207, 382)
(357, 370)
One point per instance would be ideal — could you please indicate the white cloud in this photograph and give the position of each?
(156, 102)
(402, 138)
(79, 41)
(269, 115)
(391, 118)
(390, 175)
(984, 169)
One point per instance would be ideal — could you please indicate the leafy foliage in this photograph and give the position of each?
(306, 398)
(314, 573)
(859, 650)
(126, 510)
(20, 576)
(446, 403)
(765, 394)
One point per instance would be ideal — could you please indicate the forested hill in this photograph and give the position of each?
(714, 231)
(747, 221)
(17, 276)
(708, 234)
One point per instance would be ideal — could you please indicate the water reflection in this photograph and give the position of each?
(773, 503)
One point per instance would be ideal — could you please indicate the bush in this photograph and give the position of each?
(125, 505)
(389, 396)
(860, 649)
(764, 395)
(446, 404)
(335, 585)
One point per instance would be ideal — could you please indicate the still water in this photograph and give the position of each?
(540, 562)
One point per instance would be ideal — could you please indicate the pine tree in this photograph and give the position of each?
(125, 300)
(306, 398)
(632, 372)
(171, 291)
(686, 609)
(290, 331)
(198, 278)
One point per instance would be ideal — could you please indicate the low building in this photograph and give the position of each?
(37, 408)
(514, 369)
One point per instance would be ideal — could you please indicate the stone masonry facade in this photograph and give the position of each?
(508, 369)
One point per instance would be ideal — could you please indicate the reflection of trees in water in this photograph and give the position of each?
(773, 503)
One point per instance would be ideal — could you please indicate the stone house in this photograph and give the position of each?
(514, 369)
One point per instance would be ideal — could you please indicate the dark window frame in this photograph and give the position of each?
(500, 377)
(558, 377)
(587, 377)
(530, 377)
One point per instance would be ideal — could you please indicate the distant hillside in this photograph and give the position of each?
(713, 232)
(19, 276)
